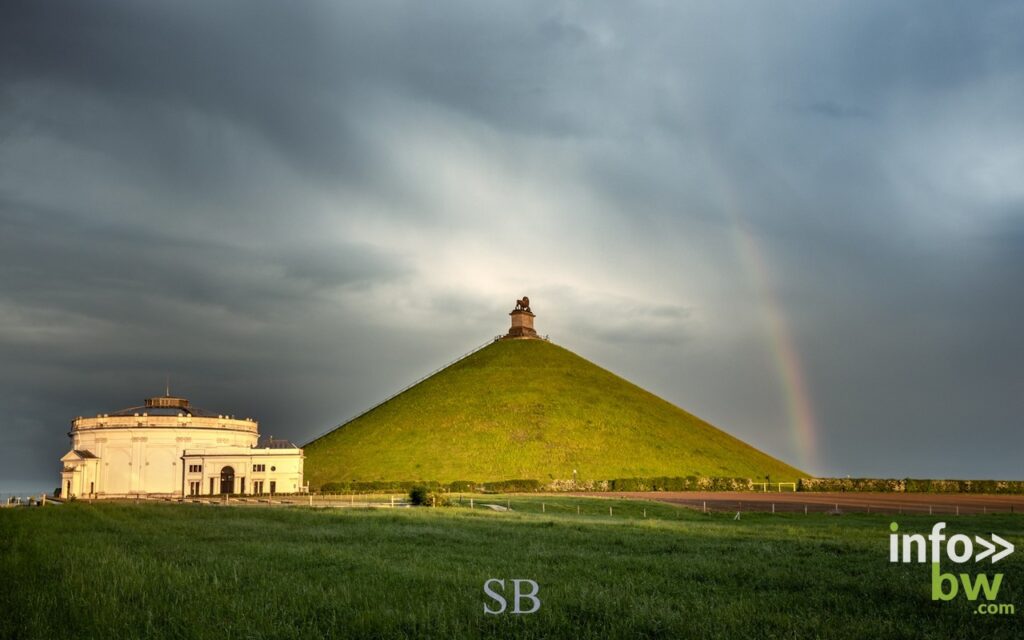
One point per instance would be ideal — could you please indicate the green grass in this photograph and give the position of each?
(571, 506)
(530, 409)
(190, 571)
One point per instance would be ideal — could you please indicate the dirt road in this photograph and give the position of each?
(811, 502)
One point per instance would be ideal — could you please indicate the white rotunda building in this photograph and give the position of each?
(168, 448)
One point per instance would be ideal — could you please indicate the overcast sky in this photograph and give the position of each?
(803, 222)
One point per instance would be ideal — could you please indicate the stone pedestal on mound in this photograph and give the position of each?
(522, 324)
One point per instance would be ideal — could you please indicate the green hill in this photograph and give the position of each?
(530, 409)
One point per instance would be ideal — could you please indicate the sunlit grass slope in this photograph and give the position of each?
(530, 409)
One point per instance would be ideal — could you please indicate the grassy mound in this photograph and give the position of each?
(530, 409)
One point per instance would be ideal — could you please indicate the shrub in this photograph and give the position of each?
(506, 486)
(422, 496)
(881, 485)
(419, 496)
(628, 484)
(577, 485)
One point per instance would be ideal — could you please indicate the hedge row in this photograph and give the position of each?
(374, 487)
(910, 485)
(661, 483)
(459, 486)
(689, 483)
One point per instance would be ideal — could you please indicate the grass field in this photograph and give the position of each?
(201, 571)
(530, 409)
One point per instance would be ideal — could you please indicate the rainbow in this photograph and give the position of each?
(803, 427)
(802, 424)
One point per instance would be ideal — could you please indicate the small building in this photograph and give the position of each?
(168, 448)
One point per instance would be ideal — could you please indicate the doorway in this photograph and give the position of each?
(227, 480)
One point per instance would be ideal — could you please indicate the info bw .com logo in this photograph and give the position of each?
(959, 548)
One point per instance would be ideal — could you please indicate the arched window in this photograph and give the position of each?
(227, 480)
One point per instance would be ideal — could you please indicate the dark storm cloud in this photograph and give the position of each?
(49, 254)
(296, 209)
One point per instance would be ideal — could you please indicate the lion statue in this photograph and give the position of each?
(523, 305)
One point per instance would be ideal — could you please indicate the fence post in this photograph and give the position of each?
(471, 503)
(577, 509)
(705, 507)
(543, 508)
(433, 501)
(645, 513)
(773, 507)
(805, 509)
(392, 502)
